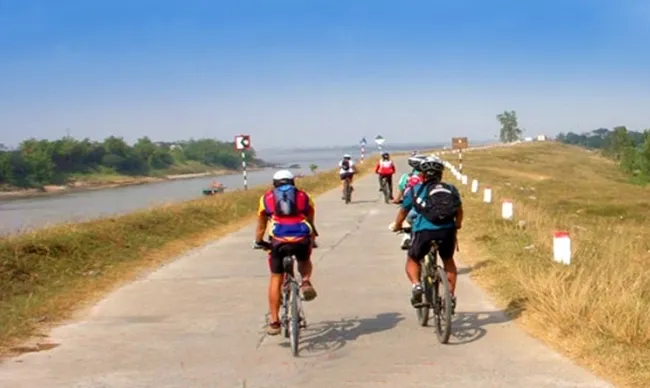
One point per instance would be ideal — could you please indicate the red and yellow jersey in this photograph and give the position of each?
(288, 228)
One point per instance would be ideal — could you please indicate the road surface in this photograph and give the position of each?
(199, 322)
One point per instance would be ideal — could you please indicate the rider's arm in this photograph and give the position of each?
(262, 220)
(459, 212)
(311, 212)
(404, 209)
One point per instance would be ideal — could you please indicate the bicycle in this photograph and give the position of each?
(292, 316)
(436, 293)
(347, 190)
(385, 189)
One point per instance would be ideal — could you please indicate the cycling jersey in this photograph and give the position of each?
(385, 167)
(349, 170)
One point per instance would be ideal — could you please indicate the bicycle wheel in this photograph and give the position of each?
(294, 322)
(442, 310)
(384, 189)
(423, 311)
(346, 190)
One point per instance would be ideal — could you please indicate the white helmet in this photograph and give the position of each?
(347, 156)
(282, 175)
(431, 166)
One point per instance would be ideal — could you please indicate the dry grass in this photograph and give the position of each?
(598, 309)
(47, 274)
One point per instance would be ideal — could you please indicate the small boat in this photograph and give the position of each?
(215, 188)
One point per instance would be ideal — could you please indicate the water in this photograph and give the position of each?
(19, 215)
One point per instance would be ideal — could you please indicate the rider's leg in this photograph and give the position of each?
(416, 253)
(302, 253)
(275, 293)
(446, 250)
(379, 176)
(390, 186)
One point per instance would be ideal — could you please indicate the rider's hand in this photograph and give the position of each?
(397, 228)
(397, 201)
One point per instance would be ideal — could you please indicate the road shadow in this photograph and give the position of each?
(475, 267)
(470, 326)
(329, 336)
(353, 202)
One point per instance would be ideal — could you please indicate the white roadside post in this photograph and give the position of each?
(363, 149)
(464, 179)
(562, 247)
(474, 186)
(487, 194)
(243, 143)
(507, 210)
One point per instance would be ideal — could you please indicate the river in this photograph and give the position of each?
(20, 215)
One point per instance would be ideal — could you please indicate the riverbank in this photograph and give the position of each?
(47, 274)
(104, 182)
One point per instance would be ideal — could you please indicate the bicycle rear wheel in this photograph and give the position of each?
(384, 189)
(294, 321)
(442, 306)
(347, 191)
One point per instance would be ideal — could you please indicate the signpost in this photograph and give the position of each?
(380, 141)
(459, 143)
(363, 148)
(243, 143)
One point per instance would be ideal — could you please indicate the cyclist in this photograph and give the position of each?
(385, 168)
(408, 181)
(439, 214)
(291, 212)
(347, 169)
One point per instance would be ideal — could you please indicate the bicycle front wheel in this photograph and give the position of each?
(424, 310)
(294, 321)
(443, 307)
(384, 189)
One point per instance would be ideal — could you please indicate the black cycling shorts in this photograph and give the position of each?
(346, 175)
(421, 243)
(301, 250)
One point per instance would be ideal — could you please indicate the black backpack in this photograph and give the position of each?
(345, 165)
(439, 205)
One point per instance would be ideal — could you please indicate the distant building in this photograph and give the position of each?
(541, 138)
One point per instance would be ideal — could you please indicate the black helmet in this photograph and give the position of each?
(385, 155)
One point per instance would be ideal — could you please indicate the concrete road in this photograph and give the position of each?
(199, 322)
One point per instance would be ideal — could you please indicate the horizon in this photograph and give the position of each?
(321, 74)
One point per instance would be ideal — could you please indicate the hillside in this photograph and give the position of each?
(597, 310)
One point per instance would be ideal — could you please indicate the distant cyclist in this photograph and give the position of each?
(291, 212)
(347, 169)
(385, 168)
(439, 214)
(407, 182)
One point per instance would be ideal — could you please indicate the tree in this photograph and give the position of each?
(510, 130)
(313, 168)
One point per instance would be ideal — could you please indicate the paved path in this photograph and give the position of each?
(199, 322)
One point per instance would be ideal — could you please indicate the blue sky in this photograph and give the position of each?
(309, 73)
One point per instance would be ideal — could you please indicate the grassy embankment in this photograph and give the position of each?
(107, 178)
(597, 310)
(45, 275)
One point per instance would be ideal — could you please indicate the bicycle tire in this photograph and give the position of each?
(346, 190)
(384, 189)
(294, 323)
(443, 306)
(424, 311)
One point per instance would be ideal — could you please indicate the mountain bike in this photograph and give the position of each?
(292, 316)
(385, 189)
(436, 293)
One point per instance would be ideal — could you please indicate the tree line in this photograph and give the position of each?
(631, 149)
(41, 162)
